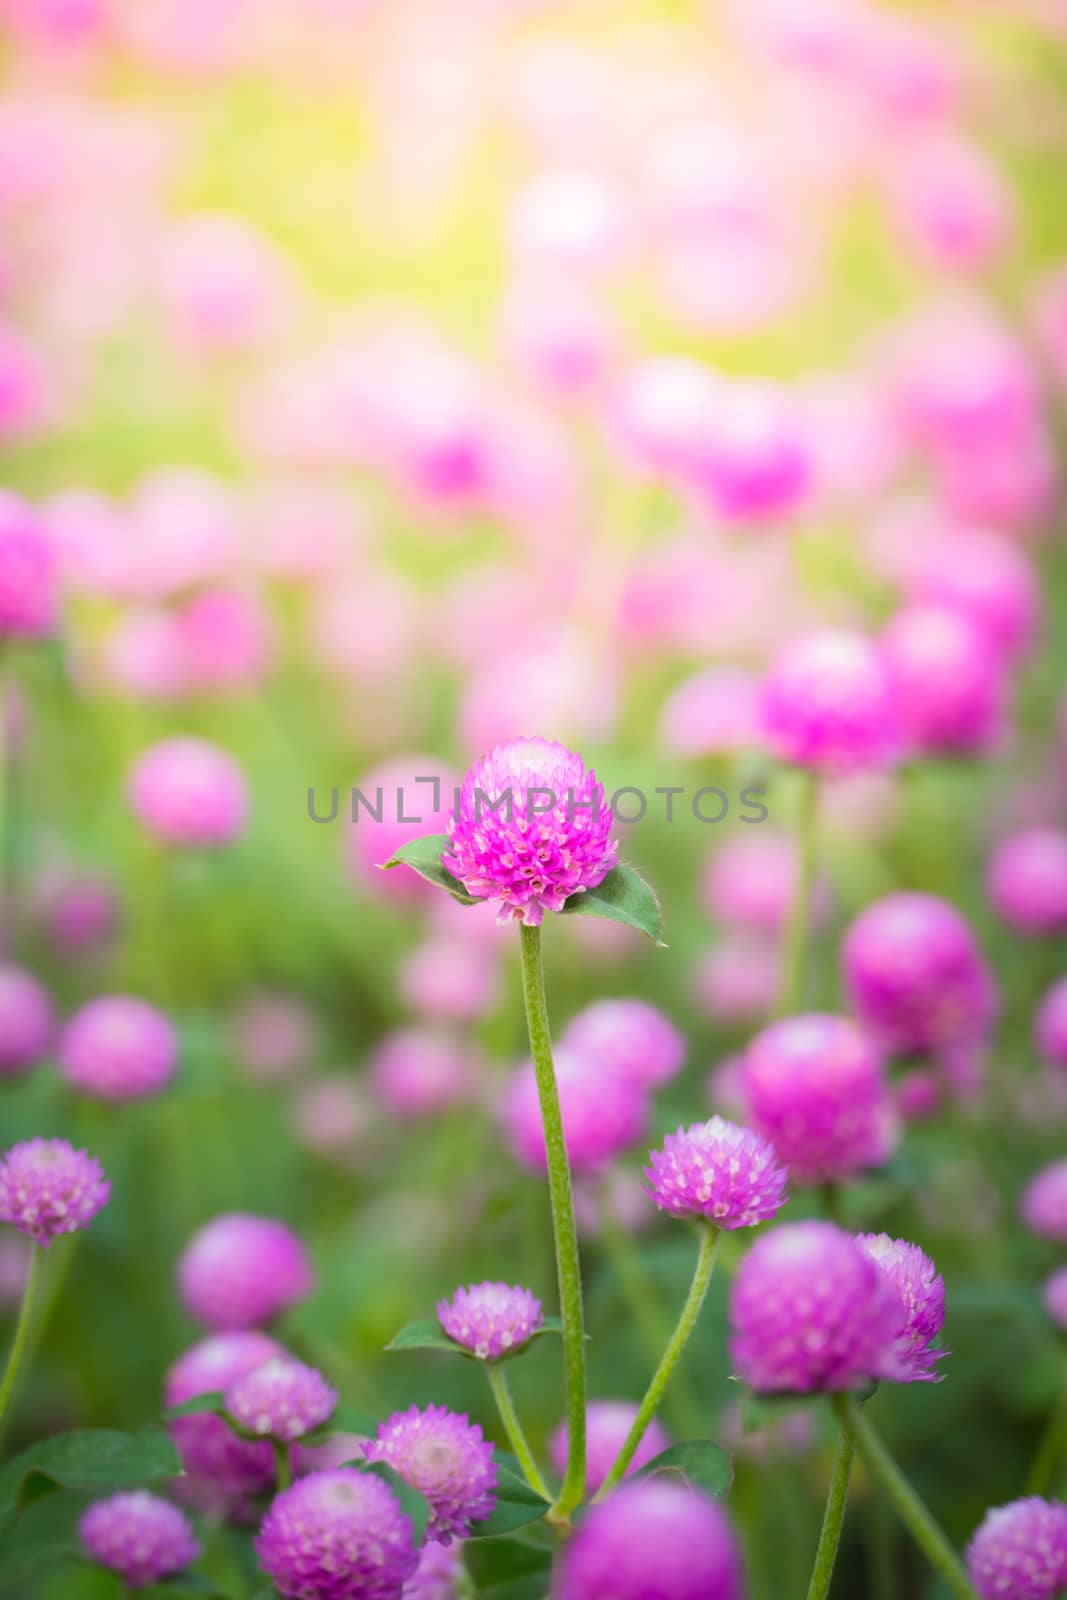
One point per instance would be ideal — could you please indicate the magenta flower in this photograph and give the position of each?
(1020, 1551)
(602, 1115)
(654, 1539)
(810, 1311)
(48, 1188)
(532, 829)
(339, 1535)
(608, 1423)
(1054, 1297)
(719, 1171)
(223, 1470)
(240, 1271)
(444, 1457)
(915, 975)
(438, 1574)
(814, 1086)
(827, 704)
(986, 578)
(28, 572)
(1027, 880)
(920, 1291)
(420, 1072)
(948, 683)
(491, 1319)
(139, 1536)
(629, 1038)
(26, 1021)
(1050, 1025)
(282, 1399)
(187, 791)
(1043, 1206)
(118, 1048)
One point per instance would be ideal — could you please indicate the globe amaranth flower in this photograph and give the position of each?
(139, 1536)
(1020, 1551)
(240, 1271)
(187, 791)
(1043, 1206)
(48, 1188)
(420, 1072)
(815, 1086)
(118, 1048)
(607, 1426)
(1054, 1297)
(827, 704)
(491, 1319)
(26, 1021)
(28, 572)
(444, 1457)
(282, 1399)
(1050, 1026)
(920, 1291)
(339, 1535)
(719, 1171)
(602, 1115)
(915, 976)
(438, 1574)
(949, 685)
(1027, 880)
(629, 1038)
(810, 1311)
(222, 1470)
(653, 1539)
(531, 829)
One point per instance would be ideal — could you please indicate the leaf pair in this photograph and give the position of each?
(431, 1336)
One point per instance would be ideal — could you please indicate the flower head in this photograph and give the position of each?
(602, 1115)
(25, 1021)
(629, 1038)
(338, 1535)
(437, 1575)
(1020, 1551)
(827, 704)
(607, 1424)
(140, 1536)
(814, 1085)
(48, 1188)
(491, 1319)
(420, 1072)
(652, 1538)
(915, 975)
(28, 572)
(719, 1171)
(1054, 1296)
(810, 1311)
(531, 829)
(187, 791)
(920, 1291)
(1027, 880)
(445, 1458)
(1050, 1025)
(282, 1399)
(948, 682)
(240, 1271)
(1043, 1206)
(118, 1048)
(222, 1469)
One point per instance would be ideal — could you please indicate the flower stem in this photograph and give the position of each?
(22, 1330)
(795, 937)
(1051, 1449)
(513, 1428)
(283, 1464)
(910, 1508)
(834, 1516)
(709, 1242)
(564, 1230)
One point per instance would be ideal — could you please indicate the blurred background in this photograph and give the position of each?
(390, 378)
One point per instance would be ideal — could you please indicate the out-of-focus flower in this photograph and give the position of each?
(570, 220)
(1020, 1551)
(282, 1399)
(446, 1458)
(920, 1290)
(332, 1115)
(951, 202)
(1026, 879)
(628, 1038)
(736, 981)
(187, 791)
(815, 1087)
(118, 1048)
(608, 1423)
(827, 704)
(78, 910)
(420, 1072)
(559, 333)
(491, 1319)
(449, 980)
(1054, 1296)
(986, 578)
(340, 1533)
(223, 1470)
(712, 712)
(1043, 1206)
(652, 1537)
(184, 530)
(273, 1034)
(223, 286)
(948, 684)
(531, 829)
(438, 1574)
(28, 572)
(398, 801)
(26, 1021)
(1050, 1026)
(48, 1188)
(719, 1171)
(748, 882)
(752, 459)
(226, 639)
(239, 1271)
(139, 1536)
(603, 1115)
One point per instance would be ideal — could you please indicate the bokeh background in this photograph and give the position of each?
(355, 355)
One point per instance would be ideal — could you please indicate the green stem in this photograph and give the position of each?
(22, 1330)
(283, 1464)
(564, 1230)
(709, 1243)
(834, 1516)
(1051, 1449)
(513, 1428)
(910, 1508)
(795, 938)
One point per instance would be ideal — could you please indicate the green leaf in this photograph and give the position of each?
(413, 1504)
(342, 1419)
(45, 1536)
(517, 1504)
(699, 1461)
(506, 1566)
(424, 857)
(214, 1401)
(89, 1458)
(623, 896)
(764, 1410)
(431, 1336)
(183, 1586)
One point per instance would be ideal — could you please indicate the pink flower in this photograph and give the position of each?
(827, 704)
(603, 1114)
(947, 682)
(1026, 878)
(187, 791)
